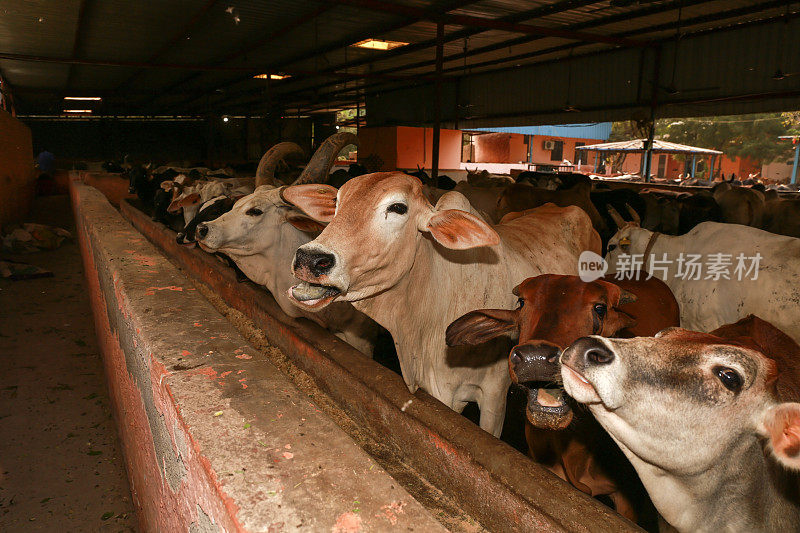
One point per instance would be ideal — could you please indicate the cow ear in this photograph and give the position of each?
(316, 200)
(780, 424)
(477, 327)
(304, 223)
(459, 230)
(186, 201)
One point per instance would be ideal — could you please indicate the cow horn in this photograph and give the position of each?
(265, 175)
(634, 215)
(319, 167)
(618, 220)
(626, 297)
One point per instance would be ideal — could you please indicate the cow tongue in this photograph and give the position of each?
(305, 291)
(548, 408)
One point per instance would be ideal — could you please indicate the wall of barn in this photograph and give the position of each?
(391, 147)
(513, 148)
(17, 177)
(212, 142)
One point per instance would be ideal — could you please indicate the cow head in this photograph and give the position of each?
(375, 225)
(687, 402)
(553, 311)
(252, 228)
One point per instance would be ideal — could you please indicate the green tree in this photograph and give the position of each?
(754, 136)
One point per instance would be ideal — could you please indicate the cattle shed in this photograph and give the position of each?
(152, 381)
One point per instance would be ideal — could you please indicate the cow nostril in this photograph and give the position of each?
(599, 356)
(202, 230)
(179, 237)
(515, 358)
(322, 263)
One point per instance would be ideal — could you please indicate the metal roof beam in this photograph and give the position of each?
(611, 19)
(341, 43)
(489, 24)
(732, 13)
(236, 54)
(77, 40)
(179, 36)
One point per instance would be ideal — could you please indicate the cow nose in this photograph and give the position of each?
(319, 263)
(592, 352)
(537, 361)
(201, 231)
(179, 238)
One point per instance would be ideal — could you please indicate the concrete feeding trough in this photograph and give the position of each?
(501, 488)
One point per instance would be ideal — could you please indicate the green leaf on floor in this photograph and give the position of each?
(94, 452)
(106, 515)
(45, 500)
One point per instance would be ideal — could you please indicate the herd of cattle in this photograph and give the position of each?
(693, 382)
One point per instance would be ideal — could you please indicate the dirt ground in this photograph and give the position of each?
(61, 467)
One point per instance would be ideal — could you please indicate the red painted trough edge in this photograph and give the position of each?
(496, 484)
(214, 436)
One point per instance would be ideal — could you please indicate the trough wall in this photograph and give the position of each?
(17, 178)
(215, 437)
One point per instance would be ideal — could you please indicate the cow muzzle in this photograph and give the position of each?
(534, 367)
(312, 267)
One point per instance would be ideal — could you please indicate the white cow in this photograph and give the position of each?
(261, 233)
(708, 303)
(414, 268)
(710, 421)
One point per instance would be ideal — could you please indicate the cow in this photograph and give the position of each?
(520, 197)
(262, 232)
(763, 272)
(552, 312)
(709, 421)
(552, 180)
(781, 216)
(739, 205)
(414, 268)
(485, 179)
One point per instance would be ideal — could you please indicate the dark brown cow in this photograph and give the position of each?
(553, 312)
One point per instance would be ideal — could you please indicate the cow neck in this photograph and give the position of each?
(739, 492)
(409, 294)
(650, 243)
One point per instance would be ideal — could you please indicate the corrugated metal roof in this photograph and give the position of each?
(148, 49)
(638, 145)
(597, 130)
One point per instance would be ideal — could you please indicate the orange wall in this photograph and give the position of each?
(741, 167)
(393, 147)
(415, 147)
(17, 178)
(377, 148)
(511, 148)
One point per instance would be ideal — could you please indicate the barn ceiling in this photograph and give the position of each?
(198, 57)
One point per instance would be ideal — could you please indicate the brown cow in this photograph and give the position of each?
(710, 421)
(553, 312)
(520, 197)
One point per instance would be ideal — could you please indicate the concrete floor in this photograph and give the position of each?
(61, 468)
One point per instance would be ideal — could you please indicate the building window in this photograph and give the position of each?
(557, 153)
(580, 155)
(662, 165)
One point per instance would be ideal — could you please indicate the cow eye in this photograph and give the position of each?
(600, 310)
(520, 303)
(254, 212)
(399, 208)
(729, 377)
